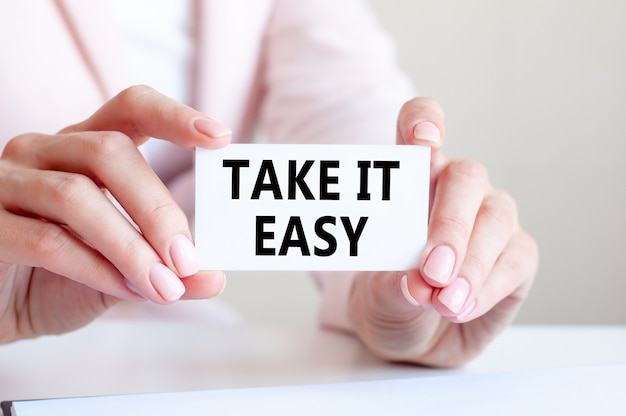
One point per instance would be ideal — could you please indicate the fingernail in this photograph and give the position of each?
(165, 282)
(439, 264)
(404, 286)
(454, 296)
(467, 312)
(427, 130)
(137, 295)
(211, 128)
(184, 256)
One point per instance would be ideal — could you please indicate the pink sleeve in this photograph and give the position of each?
(330, 77)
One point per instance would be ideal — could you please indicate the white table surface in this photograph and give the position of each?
(119, 357)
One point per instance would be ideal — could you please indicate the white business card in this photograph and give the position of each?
(311, 207)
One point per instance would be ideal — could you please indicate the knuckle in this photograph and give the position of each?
(469, 169)
(133, 249)
(177, 112)
(48, 242)
(452, 226)
(522, 259)
(18, 146)
(106, 144)
(70, 189)
(515, 264)
(500, 209)
(131, 94)
(474, 269)
(162, 213)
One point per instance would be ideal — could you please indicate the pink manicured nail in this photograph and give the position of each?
(454, 296)
(439, 265)
(166, 282)
(211, 128)
(184, 256)
(404, 286)
(137, 295)
(467, 312)
(427, 130)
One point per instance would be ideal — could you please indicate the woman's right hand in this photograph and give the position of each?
(66, 251)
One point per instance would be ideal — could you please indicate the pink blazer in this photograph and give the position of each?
(297, 70)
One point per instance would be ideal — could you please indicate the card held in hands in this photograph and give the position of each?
(311, 207)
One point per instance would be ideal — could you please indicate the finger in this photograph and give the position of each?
(141, 112)
(75, 200)
(507, 285)
(494, 226)
(459, 192)
(204, 285)
(421, 121)
(111, 159)
(36, 243)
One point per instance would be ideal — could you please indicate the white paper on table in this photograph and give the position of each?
(594, 390)
(253, 214)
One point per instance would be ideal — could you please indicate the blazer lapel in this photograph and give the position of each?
(97, 41)
(229, 36)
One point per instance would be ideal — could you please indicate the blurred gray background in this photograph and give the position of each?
(536, 91)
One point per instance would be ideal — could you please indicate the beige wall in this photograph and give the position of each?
(536, 90)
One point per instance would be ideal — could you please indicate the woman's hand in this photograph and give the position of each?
(58, 215)
(476, 269)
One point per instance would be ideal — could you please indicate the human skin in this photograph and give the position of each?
(58, 191)
(475, 272)
(54, 204)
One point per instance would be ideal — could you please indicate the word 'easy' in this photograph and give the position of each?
(295, 236)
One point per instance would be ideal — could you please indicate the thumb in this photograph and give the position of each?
(387, 316)
(421, 121)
